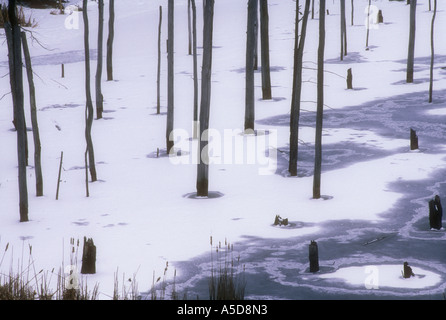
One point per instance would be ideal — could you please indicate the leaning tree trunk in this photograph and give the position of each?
(89, 104)
(16, 78)
(35, 127)
(264, 41)
(250, 57)
(206, 72)
(320, 104)
(431, 78)
(111, 36)
(297, 87)
(411, 49)
(170, 76)
(99, 97)
(194, 52)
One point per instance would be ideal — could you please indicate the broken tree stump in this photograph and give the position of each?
(407, 271)
(435, 213)
(413, 140)
(380, 17)
(279, 221)
(349, 79)
(313, 256)
(88, 257)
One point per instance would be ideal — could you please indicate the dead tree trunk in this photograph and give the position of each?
(435, 211)
(88, 257)
(368, 25)
(320, 104)
(99, 97)
(189, 29)
(413, 140)
(16, 77)
(343, 29)
(264, 39)
(353, 13)
(195, 66)
(89, 104)
(170, 76)
(297, 86)
(349, 79)
(203, 163)
(411, 49)
(431, 77)
(35, 127)
(313, 254)
(250, 57)
(111, 36)
(158, 76)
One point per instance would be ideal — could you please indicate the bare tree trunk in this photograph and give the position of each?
(320, 104)
(411, 50)
(264, 38)
(89, 104)
(343, 31)
(312, 9)
(203, 163)
(189, 29)
(158, 77)
(250, 56)
(111, 36)
(353, 13)
(170, 76)
(368, 25)
(99, 97)
(194, 46)
(35, 127)
(16, 77)
(431, 79)
(297, 87)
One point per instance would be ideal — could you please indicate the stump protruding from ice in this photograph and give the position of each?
(313, 255)
(349, 79)
(380, 16)
(88, 257)
(413, 140)
(407, 271)
(279, 221)
(435, 213)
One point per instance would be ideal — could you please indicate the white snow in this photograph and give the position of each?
(137, 214)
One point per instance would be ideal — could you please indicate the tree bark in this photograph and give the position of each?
(203, 163)
(343, 31)
(111, 36)
(264, 39)
(158, 77)
(170, 76)
(431, 78)
(195, 66)
(16, 77)
(320, 104)
(250, 56)
(189, 29)
(353, 13)
(99, 97)
(35, 126)
(368, 25)
(89, 104)
(297, 87)
(411, 49)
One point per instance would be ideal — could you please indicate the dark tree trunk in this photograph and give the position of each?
(170, 76)
(320, 104)
(111, 36)
(16, 77)
(312, 9)
(411, 49)
(349, 79)
(250, 56)
(343, 31)
(353, 13)
(88, 257)
(158, 77)
(99, 97)
(297, 86)
(413, 140)
(368, 25)
(189, 29)
(35, 127)
(431, 78)
(435, 211)
(89, 104)
(313, 255)
(203, 163)
(195, 63)
(264, 39)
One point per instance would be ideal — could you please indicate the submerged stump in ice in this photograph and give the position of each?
(413, 140)
(313, 256)
(435, 213)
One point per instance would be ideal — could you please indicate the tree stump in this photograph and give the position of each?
(279, 221)
(349, 79)
(313, 256)
(380, 17)
(88, 257)
(413, 140)
(435, 213)
(407, 273)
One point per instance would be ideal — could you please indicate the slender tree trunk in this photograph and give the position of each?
(320, 104)
(368, 25)
(35, 127)
(250, 53)
(111, 36)
(158, 77)
(170, 76)
(312, 9)
(203, 164)
(431, 79)
(16, 77)
(411, 50)
(353, 13)
(89, 104)
(343, 31)
(264, 39)
(297, 87)
(189, 29)
(99, 97)
(195, 63)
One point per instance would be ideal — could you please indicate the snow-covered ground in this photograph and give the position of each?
(374, 212)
